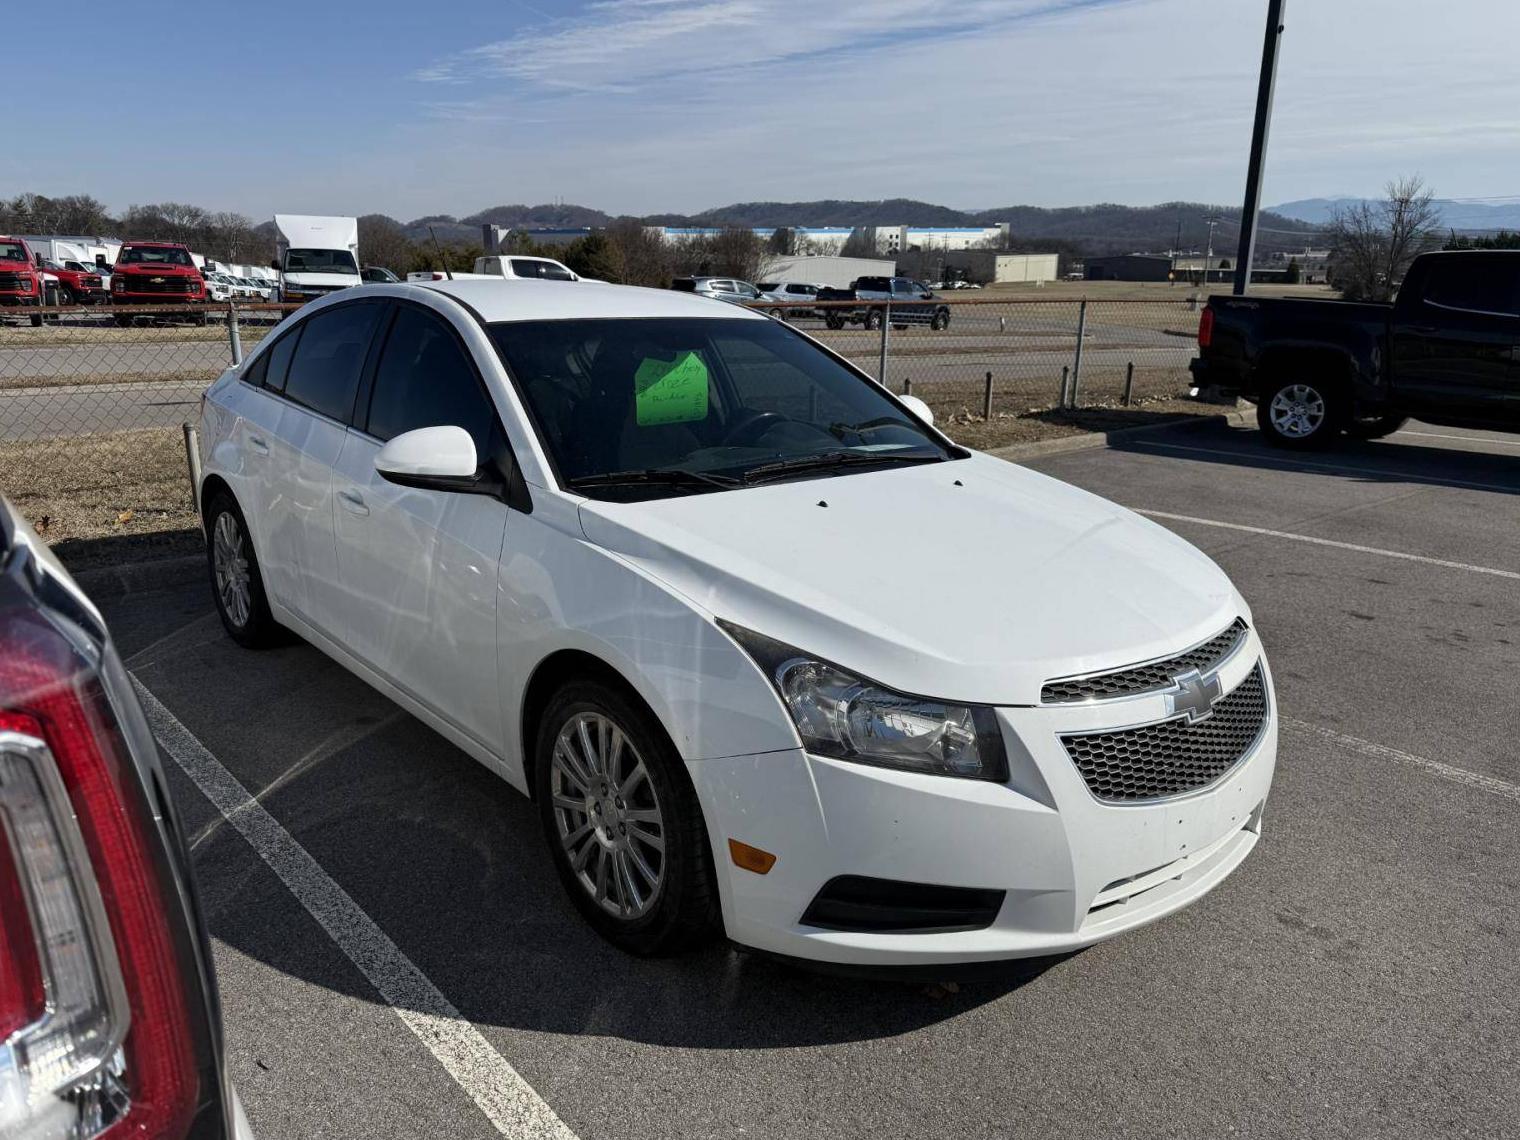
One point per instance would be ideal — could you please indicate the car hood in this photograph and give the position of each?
(975, 580)
(14, 266)
(146, 269)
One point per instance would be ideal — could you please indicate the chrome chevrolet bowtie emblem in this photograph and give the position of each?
(1193, 695)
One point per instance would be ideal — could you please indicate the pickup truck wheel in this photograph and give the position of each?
(873, 320)
(1375, 427)
(625, 830)
(834, 321)
(123, 321)
(940, 321)
(1299, 414)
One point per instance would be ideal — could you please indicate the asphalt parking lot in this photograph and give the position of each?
(397, 958)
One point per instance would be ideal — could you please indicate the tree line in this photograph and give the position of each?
(221, 235)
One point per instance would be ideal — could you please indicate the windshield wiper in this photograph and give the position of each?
(830, 460)
(665, 476)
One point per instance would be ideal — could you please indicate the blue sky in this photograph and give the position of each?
(406, 108)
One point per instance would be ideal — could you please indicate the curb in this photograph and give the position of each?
(138, 577)
(1014, 453)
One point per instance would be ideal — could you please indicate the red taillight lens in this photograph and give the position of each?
(1205, 328)
(113, 1056)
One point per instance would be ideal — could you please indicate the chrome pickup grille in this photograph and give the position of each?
(1144, 678)
(1173, 757)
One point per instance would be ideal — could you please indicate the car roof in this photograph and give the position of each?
(517, 299)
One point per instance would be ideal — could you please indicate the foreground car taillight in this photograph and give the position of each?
(1205, 328)
(96, 1033)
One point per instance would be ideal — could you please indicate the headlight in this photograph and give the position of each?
(841, 715)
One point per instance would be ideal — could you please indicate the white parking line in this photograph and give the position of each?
(1490, 784)
(1463, 438)
(1309, 538)
(1339, 468)
(483, 1073)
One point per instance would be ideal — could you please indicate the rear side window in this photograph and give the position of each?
(1486, 285)
(277, 362)
(425, 379)
(684, 285)
(324, 372)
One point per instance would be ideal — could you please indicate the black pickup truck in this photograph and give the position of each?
(906, 301)
(1445, 351)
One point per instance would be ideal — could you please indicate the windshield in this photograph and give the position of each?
(154, 255)
(320, 261)
(12, 251)
(720, 398)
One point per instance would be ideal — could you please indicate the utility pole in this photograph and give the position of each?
(1264, 91)
(1208, 257)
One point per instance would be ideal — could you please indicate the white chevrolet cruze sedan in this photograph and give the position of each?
(772, 655)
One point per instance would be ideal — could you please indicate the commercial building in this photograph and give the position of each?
(1129, 267)
(900, 239)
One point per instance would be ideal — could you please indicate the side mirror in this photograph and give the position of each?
(918, 408)
(275, 265)
(432, 458)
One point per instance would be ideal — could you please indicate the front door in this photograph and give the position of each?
(416, 569)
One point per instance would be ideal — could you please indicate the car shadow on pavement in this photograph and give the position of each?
(451, 864)
(1397, 459)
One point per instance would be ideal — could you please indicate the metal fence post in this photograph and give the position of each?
(1065, 374)
(1129, 381)
(234, 341)
(886, 323)
(1076, 365)
(987, 399)
(907, 385)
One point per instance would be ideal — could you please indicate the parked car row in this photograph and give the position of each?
(906, 301)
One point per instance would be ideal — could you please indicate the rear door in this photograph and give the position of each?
(417, 569)
(318, 389)
(1455, 348)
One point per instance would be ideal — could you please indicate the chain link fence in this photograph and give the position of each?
(91, 402)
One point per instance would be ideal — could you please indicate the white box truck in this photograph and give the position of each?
(316, 255)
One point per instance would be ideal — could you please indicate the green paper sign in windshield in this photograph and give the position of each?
(670, 391)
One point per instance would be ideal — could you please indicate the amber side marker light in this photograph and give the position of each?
(750, 858)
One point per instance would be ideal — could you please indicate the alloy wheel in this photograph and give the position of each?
(607, 815)
(1298, 411)
(229, 555)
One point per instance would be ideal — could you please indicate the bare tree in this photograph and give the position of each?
(1372, 243)
(382, 241)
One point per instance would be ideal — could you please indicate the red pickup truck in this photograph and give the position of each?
(76, 284)
(156, 273)
(20, 283)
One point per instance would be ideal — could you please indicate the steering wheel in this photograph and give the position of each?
(750, 426)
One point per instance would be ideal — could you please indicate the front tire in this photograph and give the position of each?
(236, 583)
(940, 321)
(622, 821)
(873, 320)
(1301, 414)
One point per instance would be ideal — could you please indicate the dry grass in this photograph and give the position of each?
(1035, 424)
(114, 484)
(1135, 291)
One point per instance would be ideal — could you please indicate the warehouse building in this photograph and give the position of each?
(835, 272)
(1129, 267)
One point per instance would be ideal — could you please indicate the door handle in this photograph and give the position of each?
(353, 502)
(258, 445)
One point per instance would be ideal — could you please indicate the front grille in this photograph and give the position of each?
(172, 285)
(1173, 757)
(862, 903)
(12, 282)
(1145, 678)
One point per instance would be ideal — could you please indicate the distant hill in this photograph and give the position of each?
(1455, 214)
(828, 212)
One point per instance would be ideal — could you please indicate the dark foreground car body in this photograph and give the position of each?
(1446, 351)
(109, 1018)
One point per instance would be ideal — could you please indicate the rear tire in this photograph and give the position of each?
(1375, 427)
(236, 583)
(624, 828)
(833, 321)
(872, 321)
(123, 321)
(1300, 414)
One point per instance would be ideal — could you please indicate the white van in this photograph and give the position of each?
(317, 255)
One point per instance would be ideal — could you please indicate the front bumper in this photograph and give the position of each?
(1075, 870)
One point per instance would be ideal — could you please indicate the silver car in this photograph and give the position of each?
(722, 288)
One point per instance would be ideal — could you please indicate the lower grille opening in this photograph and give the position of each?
(863, 904)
